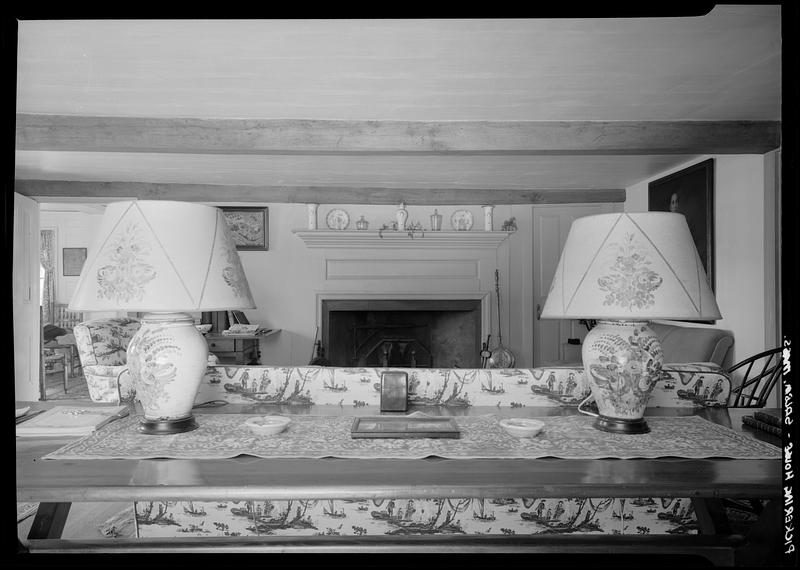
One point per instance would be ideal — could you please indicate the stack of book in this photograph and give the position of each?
(765, 421)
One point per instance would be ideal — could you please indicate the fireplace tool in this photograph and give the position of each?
(501, 356)
(485, 352)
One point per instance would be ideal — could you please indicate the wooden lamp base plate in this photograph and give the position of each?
(166, 427)
(616, 425)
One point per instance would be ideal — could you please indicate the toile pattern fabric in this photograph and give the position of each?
(406, 517)
(102, 348)
(684, 385)
(108, 383)
(567, 437)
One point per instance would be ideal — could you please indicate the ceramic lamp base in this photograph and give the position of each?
(623, 362)
(167, 427)
(616, 425)
(167, 358)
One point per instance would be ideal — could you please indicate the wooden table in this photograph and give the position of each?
(238, 349)
(56, 483)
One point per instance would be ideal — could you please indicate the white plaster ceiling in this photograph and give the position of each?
(722, 66)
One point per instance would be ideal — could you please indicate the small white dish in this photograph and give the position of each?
(268, 425)
(203, 328)
(21, 411)
(522, 427)
(461, 220)
(337, 219)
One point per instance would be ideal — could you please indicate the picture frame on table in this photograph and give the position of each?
(72, 260)
(249, 226)
(690, 192)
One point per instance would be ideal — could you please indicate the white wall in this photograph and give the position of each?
(72, 229)
(744, 246)
(286, 280)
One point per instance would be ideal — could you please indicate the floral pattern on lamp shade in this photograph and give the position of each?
(125, 277)
(630, 282)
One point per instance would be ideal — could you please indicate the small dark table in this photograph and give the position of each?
(238, 349)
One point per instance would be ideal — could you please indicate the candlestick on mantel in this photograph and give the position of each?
(487, 218)
(312, 216)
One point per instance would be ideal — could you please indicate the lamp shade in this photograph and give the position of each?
(630, 266)
(154, 255)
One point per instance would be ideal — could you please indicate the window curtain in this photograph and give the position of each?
(47, 259)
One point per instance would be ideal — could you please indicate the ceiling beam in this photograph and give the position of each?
(295, 136)
(44, 189)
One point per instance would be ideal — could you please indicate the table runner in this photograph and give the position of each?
(568, 437)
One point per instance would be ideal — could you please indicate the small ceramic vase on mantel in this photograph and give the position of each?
(362, 224)
(436, 221)
(401, 216)
(487, 218)
(312, 216)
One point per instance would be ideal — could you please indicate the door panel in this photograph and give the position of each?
(25, 298)
(550, 229)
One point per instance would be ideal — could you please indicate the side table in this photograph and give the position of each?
(237, 349)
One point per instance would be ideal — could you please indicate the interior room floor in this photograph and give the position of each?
(76, 386)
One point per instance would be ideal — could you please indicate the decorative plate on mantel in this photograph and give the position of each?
(337, 219)
(461, 220)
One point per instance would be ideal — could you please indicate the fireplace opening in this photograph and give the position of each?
(429, 333)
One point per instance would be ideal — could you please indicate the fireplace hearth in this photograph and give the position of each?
(423, 333)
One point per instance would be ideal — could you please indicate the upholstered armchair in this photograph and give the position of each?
(102, 348)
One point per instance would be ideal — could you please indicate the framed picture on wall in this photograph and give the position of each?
(690, 192)
(250, 227)
(72, 261)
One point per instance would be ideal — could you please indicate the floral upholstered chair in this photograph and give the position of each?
(102, 347)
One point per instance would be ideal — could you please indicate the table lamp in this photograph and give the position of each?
(625, 270)
(165, 259)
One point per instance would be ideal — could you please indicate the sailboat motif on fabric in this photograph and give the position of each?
(481, 515)
(191, 510)
(331, 511)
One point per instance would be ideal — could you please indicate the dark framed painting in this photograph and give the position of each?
(249, 226)
(72, 260)
(690, 192)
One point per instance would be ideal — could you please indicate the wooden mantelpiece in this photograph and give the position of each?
(391, 239)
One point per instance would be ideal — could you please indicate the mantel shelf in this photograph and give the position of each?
(373, 239)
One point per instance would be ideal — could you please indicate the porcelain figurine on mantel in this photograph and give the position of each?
(401, 216)
(510, 225)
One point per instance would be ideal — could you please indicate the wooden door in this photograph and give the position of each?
(25, 299)
(551, 225)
